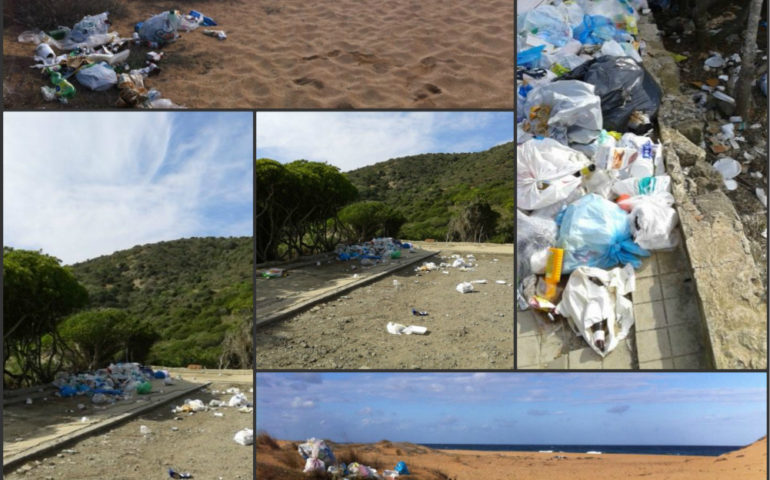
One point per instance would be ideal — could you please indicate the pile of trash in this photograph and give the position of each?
(320, 458)
(237, 400)
(106, 385)
(592, 195)
(372, 252)
(99, 59)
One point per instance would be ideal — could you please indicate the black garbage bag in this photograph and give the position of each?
(624, 87)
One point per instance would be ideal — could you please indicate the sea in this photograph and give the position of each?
(701, 450)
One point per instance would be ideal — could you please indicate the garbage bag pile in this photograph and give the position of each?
(369, 253)
(592, 196)
(98, 59)
(116, 382)
(320, 458)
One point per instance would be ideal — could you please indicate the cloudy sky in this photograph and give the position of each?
(80, 185)
(515, 408)
(350, 140)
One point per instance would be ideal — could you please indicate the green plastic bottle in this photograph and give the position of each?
(63, 88)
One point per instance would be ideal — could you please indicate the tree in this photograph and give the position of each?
(743, 92)
(37, 293)
(474, 223)
(370, 218)
(98, 336)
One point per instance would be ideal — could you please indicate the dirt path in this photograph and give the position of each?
(201, 443)
(473, 330)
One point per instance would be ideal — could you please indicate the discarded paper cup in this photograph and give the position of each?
(45, 52)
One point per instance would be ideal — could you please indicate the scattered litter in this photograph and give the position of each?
(28, 401)
(398, 329)
(479, 282)
(220, 34)
(464, 287)
(144, 430)
(419, 313)
(244, 437)
(729, 168)
(501, 282)
(190, 406)
(762, 196)
(174, 474)
(219, 414)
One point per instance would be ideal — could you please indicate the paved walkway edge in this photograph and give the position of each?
(10, 462)
(302, 305)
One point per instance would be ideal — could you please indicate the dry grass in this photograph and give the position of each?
(265, 440)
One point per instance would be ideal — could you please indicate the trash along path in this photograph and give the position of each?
(147, 445)
(461, 330)
(596, 220)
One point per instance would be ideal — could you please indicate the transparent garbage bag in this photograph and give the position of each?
(545, 173)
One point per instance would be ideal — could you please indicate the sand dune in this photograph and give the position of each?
(367, 53)
(749, 463)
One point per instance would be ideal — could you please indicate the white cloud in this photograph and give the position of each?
(298, 402)
(80, 185)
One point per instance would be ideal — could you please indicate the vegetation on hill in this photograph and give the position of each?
(196, 293)
(431, 189)
(307, 207)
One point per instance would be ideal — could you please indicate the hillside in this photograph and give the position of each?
(193, 291)
(428, 188)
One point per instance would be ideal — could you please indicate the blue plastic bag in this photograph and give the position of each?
(402, 469)
(595, 30)
(530, 57)
(595, 232)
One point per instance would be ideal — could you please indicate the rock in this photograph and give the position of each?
(688, 152)
(706, 177)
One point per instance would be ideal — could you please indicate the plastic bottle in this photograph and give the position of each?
(553, 271)
(64, 88)
(599, 331)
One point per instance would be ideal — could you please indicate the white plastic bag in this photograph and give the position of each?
(573, 103)
(545, 173)
(586, 303)
(653, 221)
(398, 329)
(464, 287)
(244, 437)
(98, 77)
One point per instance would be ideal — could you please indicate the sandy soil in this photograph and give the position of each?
(197, 72)
(424, 463)
(473, 330)
(396, 54)
(202, 444)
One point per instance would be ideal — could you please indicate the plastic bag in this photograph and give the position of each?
(98, 77)
(545, 173)
(624, 87)
(596, 29)
(533, 237)
(161, 29)
(530, 57)
(653, 221)
(547, 23)
(314, 465)
(573, 104)
(244, 437)
(595, 232)
(88, 26)
(594, 302)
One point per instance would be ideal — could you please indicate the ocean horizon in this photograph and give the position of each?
(686, 450)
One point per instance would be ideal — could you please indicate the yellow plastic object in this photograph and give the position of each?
(553, 271)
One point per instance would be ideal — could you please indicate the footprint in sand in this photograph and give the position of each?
(309, 81)
(427, 89)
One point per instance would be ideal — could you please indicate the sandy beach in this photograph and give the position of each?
(373, 54)
(197, 72)
(295, 54)
(427, 464)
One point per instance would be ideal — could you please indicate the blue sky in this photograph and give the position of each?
(509, 408)
(350, 140)
(79, 185)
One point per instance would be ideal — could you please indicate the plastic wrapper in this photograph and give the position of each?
(654, 220)
(88, 26)
(595, 232)
(547, 23)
